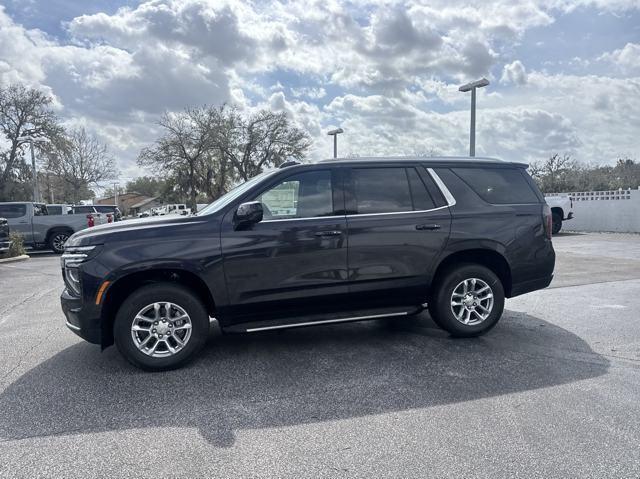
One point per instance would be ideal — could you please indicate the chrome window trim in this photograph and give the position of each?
(302, 219)
(451, 201)
(358, 215)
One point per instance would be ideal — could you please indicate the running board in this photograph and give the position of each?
(289, 323)
(326, 321)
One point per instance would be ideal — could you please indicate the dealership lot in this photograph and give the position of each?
(552, 391)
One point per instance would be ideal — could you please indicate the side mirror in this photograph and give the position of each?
(248, 214)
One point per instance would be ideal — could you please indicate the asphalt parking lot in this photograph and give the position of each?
(552, 391)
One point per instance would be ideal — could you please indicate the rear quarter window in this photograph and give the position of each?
(498, 185)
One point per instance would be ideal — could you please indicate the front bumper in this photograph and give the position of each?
(85, 324)
(4, 246)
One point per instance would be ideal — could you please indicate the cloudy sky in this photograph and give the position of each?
(565, 74)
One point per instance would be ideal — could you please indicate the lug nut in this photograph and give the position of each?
(159, 335)
(155, 322)
(153, 330)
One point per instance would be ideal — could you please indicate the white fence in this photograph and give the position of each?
(617, 211)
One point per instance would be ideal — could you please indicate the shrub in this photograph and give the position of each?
(17, 244)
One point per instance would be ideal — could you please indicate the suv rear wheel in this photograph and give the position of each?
(468, 301)
(161, 326)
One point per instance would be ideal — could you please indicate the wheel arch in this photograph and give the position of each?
(123, 287)
(558, 209)
(57, 229)
(489, 258)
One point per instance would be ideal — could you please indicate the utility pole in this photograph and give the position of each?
(115, 192)
(36, 190)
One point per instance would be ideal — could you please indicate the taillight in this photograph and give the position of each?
(547, 220)
(90, 221)
(109, 218)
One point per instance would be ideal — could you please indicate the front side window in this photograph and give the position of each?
(13, 211)
(381, 190)
(305, 195)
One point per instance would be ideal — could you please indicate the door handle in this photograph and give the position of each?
(328, 233)
(430, 227)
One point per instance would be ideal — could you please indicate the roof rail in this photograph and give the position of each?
(289, 163)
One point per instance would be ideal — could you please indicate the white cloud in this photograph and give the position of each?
(514, 73)
(626, 59)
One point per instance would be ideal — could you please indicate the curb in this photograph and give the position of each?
(15, 259)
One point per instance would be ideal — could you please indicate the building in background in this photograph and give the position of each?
(144, 205)
(125, 201)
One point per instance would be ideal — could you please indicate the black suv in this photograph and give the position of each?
(307, 244)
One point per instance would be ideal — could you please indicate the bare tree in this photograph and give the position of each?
(180, 151)
(22, 111)
(263, 139)
(80, 161)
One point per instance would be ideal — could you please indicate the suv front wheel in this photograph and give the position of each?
(468, 301)
(161, 326)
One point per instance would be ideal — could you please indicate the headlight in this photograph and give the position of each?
(70, 261)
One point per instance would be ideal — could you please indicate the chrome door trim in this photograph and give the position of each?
(443, 188)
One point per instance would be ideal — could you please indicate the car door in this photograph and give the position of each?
(398, 224)
(293, 262)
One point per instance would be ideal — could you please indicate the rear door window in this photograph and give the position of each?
(13, 211)
(381, 190)
(498, 185)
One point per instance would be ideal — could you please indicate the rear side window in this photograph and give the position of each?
(381, 190)
(12, 211)
(498, 185)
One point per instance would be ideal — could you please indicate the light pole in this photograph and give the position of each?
(335, 134)
(472, 87)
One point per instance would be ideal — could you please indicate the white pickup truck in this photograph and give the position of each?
(561, 210)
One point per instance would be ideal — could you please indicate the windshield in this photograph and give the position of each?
(239, 190)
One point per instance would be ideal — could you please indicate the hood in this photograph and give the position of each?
(99, 234)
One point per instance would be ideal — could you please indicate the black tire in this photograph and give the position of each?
(556, 222)
(160, 293)
(57, 239)
(440, 304)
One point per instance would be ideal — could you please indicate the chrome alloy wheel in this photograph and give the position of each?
(472, 301)
(161, 329)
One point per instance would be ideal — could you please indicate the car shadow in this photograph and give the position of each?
(293, 377)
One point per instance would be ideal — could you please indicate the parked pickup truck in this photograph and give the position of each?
(38, 227)
(561, 210)
(4, 236)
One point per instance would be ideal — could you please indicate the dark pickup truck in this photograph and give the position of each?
(309, 244)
